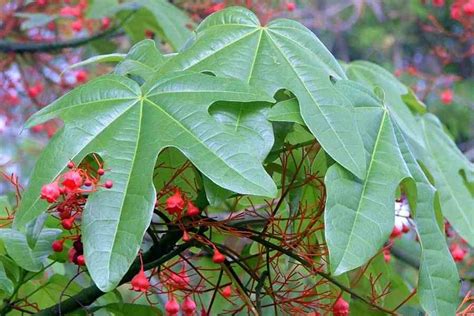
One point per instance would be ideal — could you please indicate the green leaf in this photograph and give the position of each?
(128, 126)
(107, 58)
(100, 8)
(163, 18)
(30, 259)
(359, 214)
(413, 102)
(282, 55)
(438, 280)
(143, 60)
(6, 285)
(445, 163)
(250, 122)
(132, 309)
(286, 111)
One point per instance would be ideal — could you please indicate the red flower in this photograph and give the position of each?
(438, 3)
(218, 257)
(447, 96)
(175, 203)
(227, 291)
(172, 307)
(469, 8)
(192, 209)
(396, 232)
(214, 8)
(50, 192)
(72, 180)
(340, 308)
(290, 6)
(188, 306)
(140, 282)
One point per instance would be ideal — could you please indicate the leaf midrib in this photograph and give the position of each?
(364, 188)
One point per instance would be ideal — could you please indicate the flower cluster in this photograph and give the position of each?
(68, 196)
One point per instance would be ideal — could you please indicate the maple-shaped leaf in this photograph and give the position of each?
(128, 125)
(281, 55)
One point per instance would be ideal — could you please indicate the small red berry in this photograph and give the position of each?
(457, 252)
(188, 306)
(35, 91)
(447, 96)
(70, 165)
(227, 291)
(396, 232)
(290, 6)
(438, 3)
(108, 184)
(192, 209)
(340, 308)
(76, 26)
(218, 257)
(50, 192)
(88, 183)
(68, 223)
(72, 180)
(175, 203)
(57, 245)
(80, 260)
(105, 21)
(100, 171)
(140, 282)
(81, 76)
(172, 306)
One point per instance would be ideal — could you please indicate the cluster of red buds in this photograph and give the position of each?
(397, 232)
(68, 196)
(462, 10)
(77, 14)
(188, 306)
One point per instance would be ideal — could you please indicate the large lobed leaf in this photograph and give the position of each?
(128, 125)
(359, 214)
(282, 55)
(438, 278)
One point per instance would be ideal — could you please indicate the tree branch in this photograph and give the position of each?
(157, 255)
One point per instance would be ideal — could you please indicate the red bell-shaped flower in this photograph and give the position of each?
(172, 307)
(50, 192)
(72, 180)
(188, 306)
(140, 282)
(175, 203)
(340, 308)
